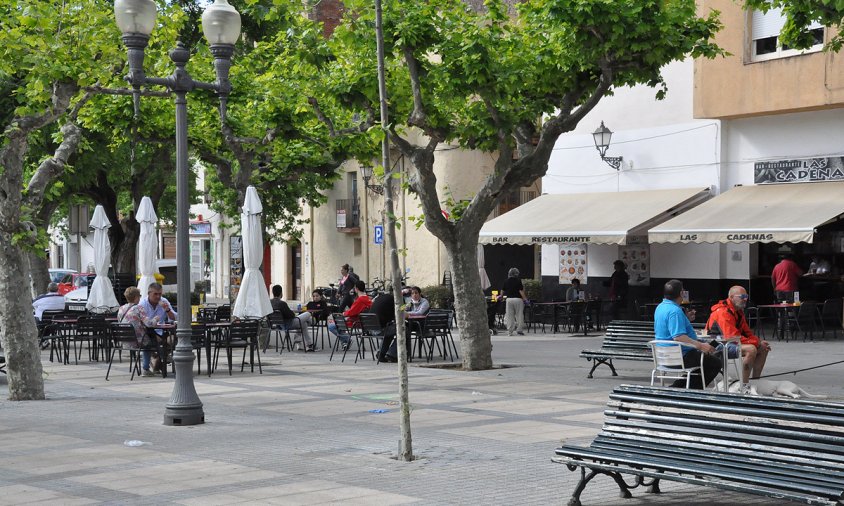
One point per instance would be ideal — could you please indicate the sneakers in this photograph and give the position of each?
(309, 348)
(520, 333)
(147, 373)
(509, 333)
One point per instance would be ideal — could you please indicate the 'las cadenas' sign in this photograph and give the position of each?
(803, 170)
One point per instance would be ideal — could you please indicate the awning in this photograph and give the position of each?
(588, 218)
(761, 213)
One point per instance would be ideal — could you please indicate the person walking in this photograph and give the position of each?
(514, 303)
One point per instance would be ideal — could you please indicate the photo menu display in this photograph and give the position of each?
(573, 263)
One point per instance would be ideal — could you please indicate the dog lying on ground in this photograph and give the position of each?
(783, 388)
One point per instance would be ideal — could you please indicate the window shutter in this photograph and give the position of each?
(768, 24)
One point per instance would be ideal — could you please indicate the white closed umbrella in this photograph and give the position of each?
(100, 293)
(482, 268)
(252, 301)
(147, 244)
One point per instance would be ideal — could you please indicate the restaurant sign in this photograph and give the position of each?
(803, 170)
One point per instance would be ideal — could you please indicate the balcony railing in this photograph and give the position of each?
(347, 214)
(513, 200)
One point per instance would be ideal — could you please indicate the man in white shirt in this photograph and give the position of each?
(48, 301)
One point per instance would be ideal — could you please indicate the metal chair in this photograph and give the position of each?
(281, 328)
(343, 330)
(370, 332)
(830, 316)
(123, 337)
(439, 333)
(241, 334)
(668, 362)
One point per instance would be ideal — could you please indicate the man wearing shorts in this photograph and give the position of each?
(728, 314)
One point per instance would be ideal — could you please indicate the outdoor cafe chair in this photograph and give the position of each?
(241, 334)
(280, 327)
(371, 332)
(123, 337)
(803, 319)
(198, 335)
(668, 362)
(830, 316)
(343, 330)
(438, 332)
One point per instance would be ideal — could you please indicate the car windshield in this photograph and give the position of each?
(68, 278)
(81, 281)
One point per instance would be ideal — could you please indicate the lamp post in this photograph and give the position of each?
(602, 137)
(366, 173)
(221, 25)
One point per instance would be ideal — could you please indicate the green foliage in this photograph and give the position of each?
(800, 14)
(439, 296)
(174, 299)
(522, 66)
(533, 289)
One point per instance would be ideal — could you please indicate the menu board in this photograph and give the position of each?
(573, 263)
(638, 261)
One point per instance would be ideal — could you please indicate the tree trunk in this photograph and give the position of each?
(124, 253)
(39, 274)
(469, 302)
(18, 336)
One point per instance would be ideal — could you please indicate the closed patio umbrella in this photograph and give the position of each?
(252, 301)
(482, 269)
(101, 294)
(147, 244)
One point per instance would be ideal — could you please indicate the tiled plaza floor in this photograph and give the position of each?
(305, 432)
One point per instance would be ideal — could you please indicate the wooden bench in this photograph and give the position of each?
(785, 449)
(624, 340)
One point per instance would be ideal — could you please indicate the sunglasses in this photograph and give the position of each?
(743, 296)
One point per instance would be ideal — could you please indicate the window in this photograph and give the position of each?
(764, 37)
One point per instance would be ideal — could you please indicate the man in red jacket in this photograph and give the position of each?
(729, 315)
(361, 304)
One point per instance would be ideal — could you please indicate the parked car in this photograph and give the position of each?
(56, 275)
(73, 281)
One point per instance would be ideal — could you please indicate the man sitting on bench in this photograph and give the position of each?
(672, 324)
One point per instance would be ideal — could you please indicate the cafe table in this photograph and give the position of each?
(780, 310)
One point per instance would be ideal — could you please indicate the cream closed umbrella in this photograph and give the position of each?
(100, 293)
(482, 269)
(147, 244)
(252, 301)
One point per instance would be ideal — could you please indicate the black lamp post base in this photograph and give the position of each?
(184, 416)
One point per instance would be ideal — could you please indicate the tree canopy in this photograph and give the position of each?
(502, 81)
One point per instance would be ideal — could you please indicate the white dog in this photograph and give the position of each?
(770, 388)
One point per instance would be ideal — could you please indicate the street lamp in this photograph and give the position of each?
(221, 25)
(602, 138)
(366, 172)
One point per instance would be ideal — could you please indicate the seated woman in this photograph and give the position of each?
(132, 313)
(418, 305)
(318, 306)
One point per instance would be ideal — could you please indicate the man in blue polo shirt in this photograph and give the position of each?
(672, 324)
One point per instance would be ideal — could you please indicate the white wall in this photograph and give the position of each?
(663, 147)
(785, 136)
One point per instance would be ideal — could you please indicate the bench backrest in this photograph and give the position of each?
(793, 432)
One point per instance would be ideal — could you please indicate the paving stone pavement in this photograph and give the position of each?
(303, 432)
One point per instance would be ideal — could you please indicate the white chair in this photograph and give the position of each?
(668, 362)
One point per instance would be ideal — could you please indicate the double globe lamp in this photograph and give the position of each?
(221, 26)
